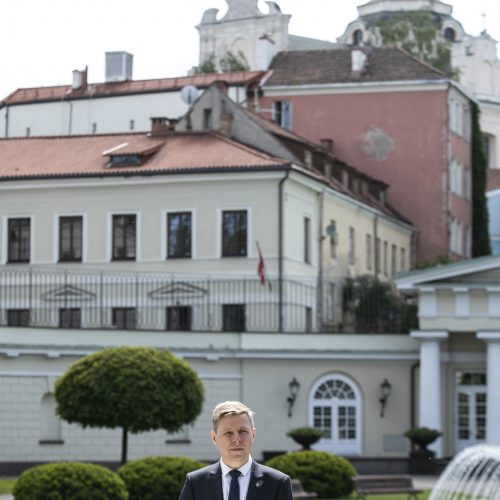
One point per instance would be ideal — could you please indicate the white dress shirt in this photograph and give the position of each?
(244, 479)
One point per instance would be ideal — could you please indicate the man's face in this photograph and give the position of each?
(234, 438)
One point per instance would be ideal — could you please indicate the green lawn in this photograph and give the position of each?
(7, 484)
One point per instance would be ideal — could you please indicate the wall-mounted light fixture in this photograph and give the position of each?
(385, 392)
(293, 387)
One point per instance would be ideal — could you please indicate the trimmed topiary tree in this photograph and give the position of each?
(157, 477)
(330, 476)
(69, 480)
(135, 388)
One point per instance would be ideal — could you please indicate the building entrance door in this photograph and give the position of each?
(470, 410)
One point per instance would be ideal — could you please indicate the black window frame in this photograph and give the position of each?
(307, 240)
(184, 240)
(124, 318)
(235, 245)
(18, 317)
(74, 253)
(119, 248)
(16, 228)
(179, 318)
(233, 318)
(70, 317)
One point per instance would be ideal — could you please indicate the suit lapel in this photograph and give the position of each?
(256, 485)
(214, 487)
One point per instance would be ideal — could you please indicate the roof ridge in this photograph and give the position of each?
(246, 148)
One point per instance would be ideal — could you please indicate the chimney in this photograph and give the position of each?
(327, 144)
(161, 125)
(358, 58)
(79, 79)
(226, 124)
(118, 66)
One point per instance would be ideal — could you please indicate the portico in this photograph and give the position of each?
(459, 373)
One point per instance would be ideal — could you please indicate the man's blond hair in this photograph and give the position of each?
(230, 408)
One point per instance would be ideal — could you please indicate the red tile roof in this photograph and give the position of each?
(60, 92)
(383, 64)
(89, 155)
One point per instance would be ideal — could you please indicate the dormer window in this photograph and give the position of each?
(345, 178)
(308, 158)
(131, 154)
(124, 160)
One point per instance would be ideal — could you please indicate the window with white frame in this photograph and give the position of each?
(70, 239)
(124, 237)
(369, 251)
(18, 240)
(282, 113)
(335, 409)
(179, 235)
(352, 245)
(330, 308)
(377, 255)
(456, 236)
(307, 240)
(467, 183)
(234, 233)
(456, 182)
(333, 240)
(402, 259)
(393, 260)
(456, 116)
(468, 241)
(386, 251)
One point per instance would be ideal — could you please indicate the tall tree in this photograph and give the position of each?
(133, 388)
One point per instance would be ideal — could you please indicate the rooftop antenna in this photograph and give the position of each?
(188, 94)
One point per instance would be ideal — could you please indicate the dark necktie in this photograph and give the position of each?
(234, 487)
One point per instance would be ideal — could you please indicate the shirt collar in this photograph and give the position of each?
(244, 469)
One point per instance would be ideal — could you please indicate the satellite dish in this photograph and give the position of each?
(331, 230)
(188, 94)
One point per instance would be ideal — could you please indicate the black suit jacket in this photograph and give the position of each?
(265, 484)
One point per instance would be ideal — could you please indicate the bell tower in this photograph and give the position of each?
(245, 32)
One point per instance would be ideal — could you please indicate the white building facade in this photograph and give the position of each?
(151, 240)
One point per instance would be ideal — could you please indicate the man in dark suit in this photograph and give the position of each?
(235, 476)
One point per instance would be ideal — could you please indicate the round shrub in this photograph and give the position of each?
(69, 481)
(152, 478)
(330, 476)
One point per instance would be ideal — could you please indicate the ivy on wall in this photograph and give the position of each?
(480, 233)
(418, 33)
(227, 63)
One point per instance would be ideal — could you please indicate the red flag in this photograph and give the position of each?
(261, 270)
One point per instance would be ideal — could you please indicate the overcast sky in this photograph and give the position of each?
(42, 42)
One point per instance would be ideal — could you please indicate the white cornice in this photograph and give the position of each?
(355, 87)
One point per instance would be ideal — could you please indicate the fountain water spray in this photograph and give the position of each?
(473, 474)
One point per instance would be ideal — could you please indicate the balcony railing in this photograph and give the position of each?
(143, 301)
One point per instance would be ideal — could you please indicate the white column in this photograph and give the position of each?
(430, 402)
(492, 340)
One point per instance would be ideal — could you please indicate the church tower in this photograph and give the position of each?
(245, 32)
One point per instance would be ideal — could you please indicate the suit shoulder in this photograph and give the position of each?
(204, 471)
(274, 473)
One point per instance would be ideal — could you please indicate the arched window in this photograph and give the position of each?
(335, 408)
(50, 422)
(449, 34)
(357, 37)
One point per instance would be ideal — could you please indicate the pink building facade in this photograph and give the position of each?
(395, 119)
